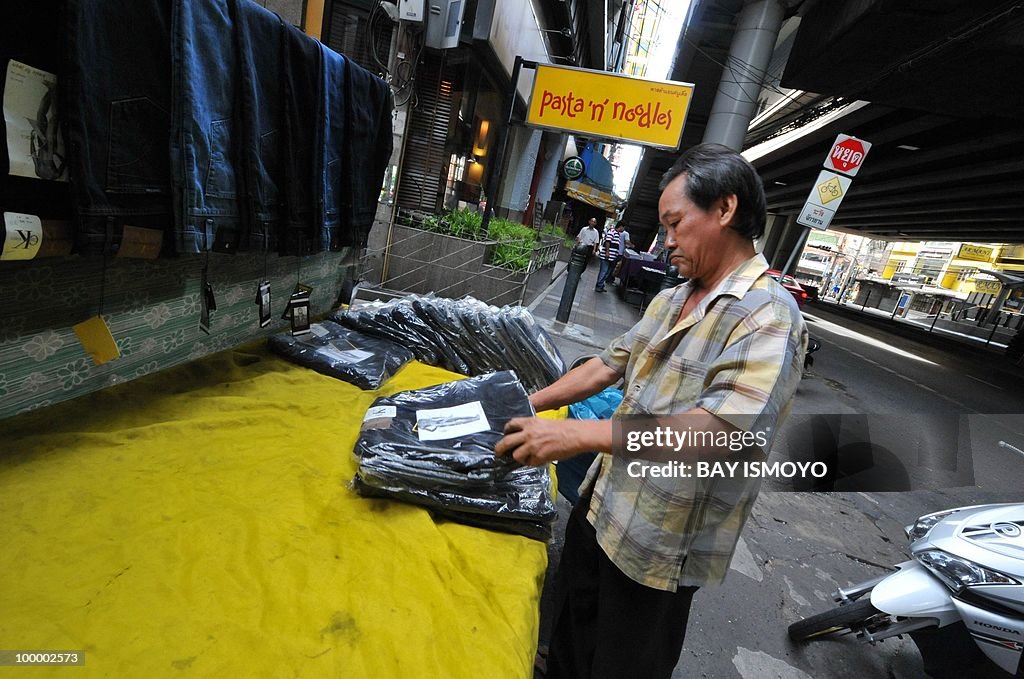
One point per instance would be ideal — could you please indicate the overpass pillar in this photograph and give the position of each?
(757, 29)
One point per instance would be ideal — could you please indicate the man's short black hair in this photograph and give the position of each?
(715, 171)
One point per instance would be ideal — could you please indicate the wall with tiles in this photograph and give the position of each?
(152, 308)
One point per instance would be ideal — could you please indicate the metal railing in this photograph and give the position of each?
(455, 267)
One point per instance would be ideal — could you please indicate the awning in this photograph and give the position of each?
(591, 195)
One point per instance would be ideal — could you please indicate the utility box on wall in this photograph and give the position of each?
(444, 21)
(411, 10)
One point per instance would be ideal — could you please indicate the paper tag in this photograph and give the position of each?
(24, 236)
(350, 356)
(449, 423)
(96, 339)
(206, 297)
(319, 330)
(378, 412)
(299, 306)
(263, 300)
(140, 243)
(35, 146)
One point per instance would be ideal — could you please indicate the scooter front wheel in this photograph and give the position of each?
(848, 616)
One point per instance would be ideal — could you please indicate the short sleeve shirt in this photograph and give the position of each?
(613, 244)
(588, 236)
(738, 355)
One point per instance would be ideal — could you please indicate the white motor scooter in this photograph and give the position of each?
(968, 568)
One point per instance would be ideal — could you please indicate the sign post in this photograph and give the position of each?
(842, 162)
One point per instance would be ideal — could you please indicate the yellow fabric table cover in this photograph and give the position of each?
(200, 522)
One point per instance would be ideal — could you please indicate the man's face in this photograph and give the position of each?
(592, 223)
(694, 237)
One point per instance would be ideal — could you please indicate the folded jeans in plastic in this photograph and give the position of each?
(330, 349)
(435, 447)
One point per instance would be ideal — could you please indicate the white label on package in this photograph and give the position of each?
(350, 356)
(379, 412)
(450, 423)
(319, 330)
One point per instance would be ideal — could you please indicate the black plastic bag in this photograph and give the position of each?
(435, 447)
(330, 349)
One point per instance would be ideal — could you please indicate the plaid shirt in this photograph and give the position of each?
(739, 355)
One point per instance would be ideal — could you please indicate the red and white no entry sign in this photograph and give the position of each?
(847, 155)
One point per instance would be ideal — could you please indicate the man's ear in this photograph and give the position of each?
(725, 209)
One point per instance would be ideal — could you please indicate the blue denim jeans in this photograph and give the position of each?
(116, 97)
(205, 147)
(258, 36)
(605, 272)
(368, 149)
(334, 148)
(303, 143)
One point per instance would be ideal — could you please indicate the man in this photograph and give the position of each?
(609, 251)
(588, 237)
(589, 234)
(721, 353)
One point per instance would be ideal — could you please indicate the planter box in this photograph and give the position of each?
(498, 286)
(422, 261)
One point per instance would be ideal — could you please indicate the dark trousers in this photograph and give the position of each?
(605, 624)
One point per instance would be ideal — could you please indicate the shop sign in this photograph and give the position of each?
(610, 106)
(987, 286)
(573, 167)
(975, 253)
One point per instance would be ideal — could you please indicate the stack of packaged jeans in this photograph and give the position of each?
(435, 447)
(330, 349)
(465, 336)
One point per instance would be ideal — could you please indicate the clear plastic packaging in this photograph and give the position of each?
(435, 447)
(330, 349)
(466, 336)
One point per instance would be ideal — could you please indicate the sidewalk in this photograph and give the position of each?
(596, 318)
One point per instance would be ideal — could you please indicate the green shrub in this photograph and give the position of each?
(464, 224)
(514, 241)
(549, 229)
(515, 244)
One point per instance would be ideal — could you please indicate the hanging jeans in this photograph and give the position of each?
(367, 150)
(258, 36)
(303, 140)
(335, 146)
(205, 147)
(116, 96)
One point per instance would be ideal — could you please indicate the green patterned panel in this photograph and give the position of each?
(152, 308)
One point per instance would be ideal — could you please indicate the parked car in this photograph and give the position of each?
(795, 289)
(812, 291)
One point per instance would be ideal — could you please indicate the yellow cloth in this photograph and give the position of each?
(199, 522)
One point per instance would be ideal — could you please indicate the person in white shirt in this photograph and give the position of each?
(589, 234)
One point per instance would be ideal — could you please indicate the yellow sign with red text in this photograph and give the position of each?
(610, 106)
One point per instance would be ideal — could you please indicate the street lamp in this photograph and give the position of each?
(564, 32)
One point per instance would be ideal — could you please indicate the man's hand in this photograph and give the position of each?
(535, 441)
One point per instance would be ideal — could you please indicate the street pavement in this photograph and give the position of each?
(797, 547)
